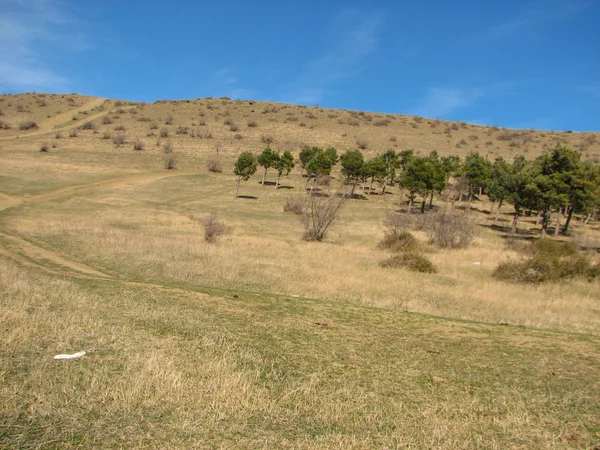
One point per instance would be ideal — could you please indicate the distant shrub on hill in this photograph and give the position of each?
(27, 125)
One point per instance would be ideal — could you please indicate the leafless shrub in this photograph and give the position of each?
(234, 127)
(396, 224)
(44, 147)
(138, 144)
(238, 136)
(214, 165)
(120, 128)
(182, 130)
(382, 123)
(294, 204)
(119, 138)
(353, 122)
(202, 122)
(106, 120)
(169, 120)
(449, 229)
(266, 139)
(169, 157)
(164, 132)
(362, 144)
(88, 126)
(28, 125)
(213, 228)
(320, 213)
(73, 133)
(58, 135)
(252, 124)
(302, 124)
(227, 121)
(4, 125)
(107, 135)
(153, 126)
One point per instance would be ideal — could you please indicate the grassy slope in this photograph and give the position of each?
(177, 361)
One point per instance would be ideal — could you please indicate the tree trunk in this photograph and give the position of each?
(569, 216)
(515, 221)
(264, 177)
(452, 205)
(545, 220)
(401, 197)
(277, 182)
(498, 210)
(312, 186)
(492, 206)
(238, 187)
(353, 188)
(385, 182)
(557, 222)
(587, 219)
(431, 201)
(469, 204)
(371, 185)
(480, 190)
(460, 197)
(538, 217)
(423, 204)
(410, 201)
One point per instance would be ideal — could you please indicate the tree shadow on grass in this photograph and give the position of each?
(281, 186)
(248, 197)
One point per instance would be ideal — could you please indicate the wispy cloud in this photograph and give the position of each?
(441, 101)
(533, 14)
(355, 37)
(228, 84)
(29, 31)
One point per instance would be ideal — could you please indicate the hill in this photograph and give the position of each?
(261, 339)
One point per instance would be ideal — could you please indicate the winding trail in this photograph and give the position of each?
(31, 255)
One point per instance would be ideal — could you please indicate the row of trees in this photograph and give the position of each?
(557, 180)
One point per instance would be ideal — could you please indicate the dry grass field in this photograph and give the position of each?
(261, 339)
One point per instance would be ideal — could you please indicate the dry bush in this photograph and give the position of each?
(213, 228)
(106, 120)
(382, 123)
(267, 139)
(412, 261)
(119, 138)
(181, 130)
(58, 135)
(252, 124)
(320, 213)
(233, 126)
(120, 128)
(169, 158)
(294, 204)
(397, 223)
(164, 132)
(362, 144)
(400, 242)
(548, 261)
(238, 136)
(88, 126)
(73, 133)
(169, 120)
(27, 125)
(4, 125)
(448, 229)
(106, 135)
(154, 126)
(138, 144)
(44, 147)
(214, 165)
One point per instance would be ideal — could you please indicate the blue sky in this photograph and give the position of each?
(519, 64)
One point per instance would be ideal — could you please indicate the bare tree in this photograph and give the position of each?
(320, 213)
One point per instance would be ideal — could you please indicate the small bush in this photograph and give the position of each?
(449, 230)
(294, 204)
(88, 126)
(44, 147)
(411, 261)
(106, 120)
(119, 138)
(58, 135)
(168, 147)
(4, 125)
(238, 136)
(27, 125)
(106, 135)
(266, 139)
(169, 120)
(214, 165)
(396, 224)
(153, 126)
(252, 124)
(401, 242)
(73, 133)
(181, 130)
(362, 144)
(548, 261)
(120, 128)
(319, 214)
(138, 144)
(234, 127)
(213, 228)
(164, 132)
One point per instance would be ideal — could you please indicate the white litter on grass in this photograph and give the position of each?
(476, 263)
(72, 356)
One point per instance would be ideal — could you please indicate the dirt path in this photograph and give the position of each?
(50, 125)
(31, 255)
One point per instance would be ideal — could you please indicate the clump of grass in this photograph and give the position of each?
(252, 124)
(548, 261)
(214, 165)
(400, 242)
(28, 125)
(412, 261)
(164, 132)
(120, 128)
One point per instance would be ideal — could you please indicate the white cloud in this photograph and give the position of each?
(29, 32)
(441, 101)
(355, 38)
